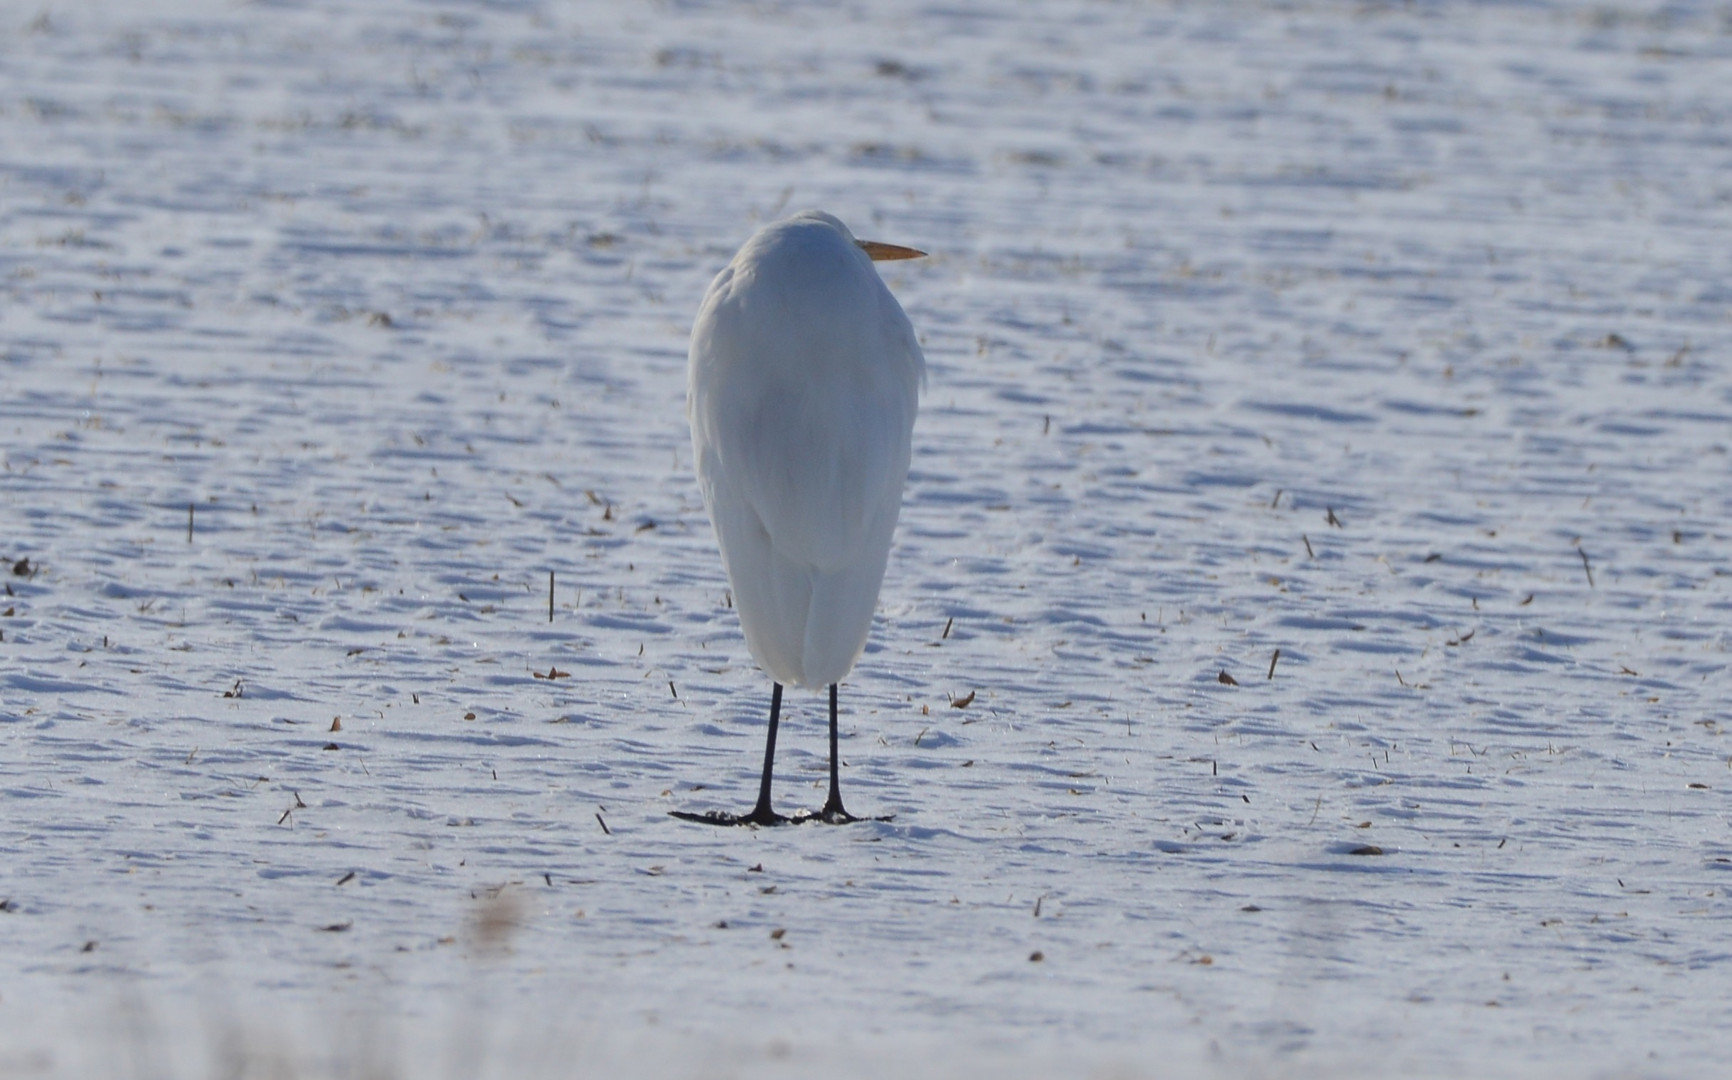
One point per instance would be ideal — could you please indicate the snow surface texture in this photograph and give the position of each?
(1357, 333)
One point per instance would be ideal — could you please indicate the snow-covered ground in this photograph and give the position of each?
(1362, 333)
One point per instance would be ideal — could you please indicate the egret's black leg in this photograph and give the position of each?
(761, 814)
(833, 811)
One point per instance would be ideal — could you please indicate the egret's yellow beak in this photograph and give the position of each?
(887, 252)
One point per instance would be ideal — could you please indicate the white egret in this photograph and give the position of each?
(803, 382)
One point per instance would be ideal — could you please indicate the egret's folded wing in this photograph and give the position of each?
(808, 413)
(772, 596)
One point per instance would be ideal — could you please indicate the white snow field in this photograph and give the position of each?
(1363, 333)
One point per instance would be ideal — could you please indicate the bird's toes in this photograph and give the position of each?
(723, 818)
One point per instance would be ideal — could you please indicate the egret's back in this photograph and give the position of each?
(804, 380)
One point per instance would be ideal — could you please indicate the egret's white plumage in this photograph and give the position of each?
(803, 383)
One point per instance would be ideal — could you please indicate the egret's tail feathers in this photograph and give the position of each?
(805, 626)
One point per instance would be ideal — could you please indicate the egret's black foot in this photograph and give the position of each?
(760, 816)
(834, 814)
(828, 815)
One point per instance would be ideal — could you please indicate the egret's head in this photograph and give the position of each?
(876, 250)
